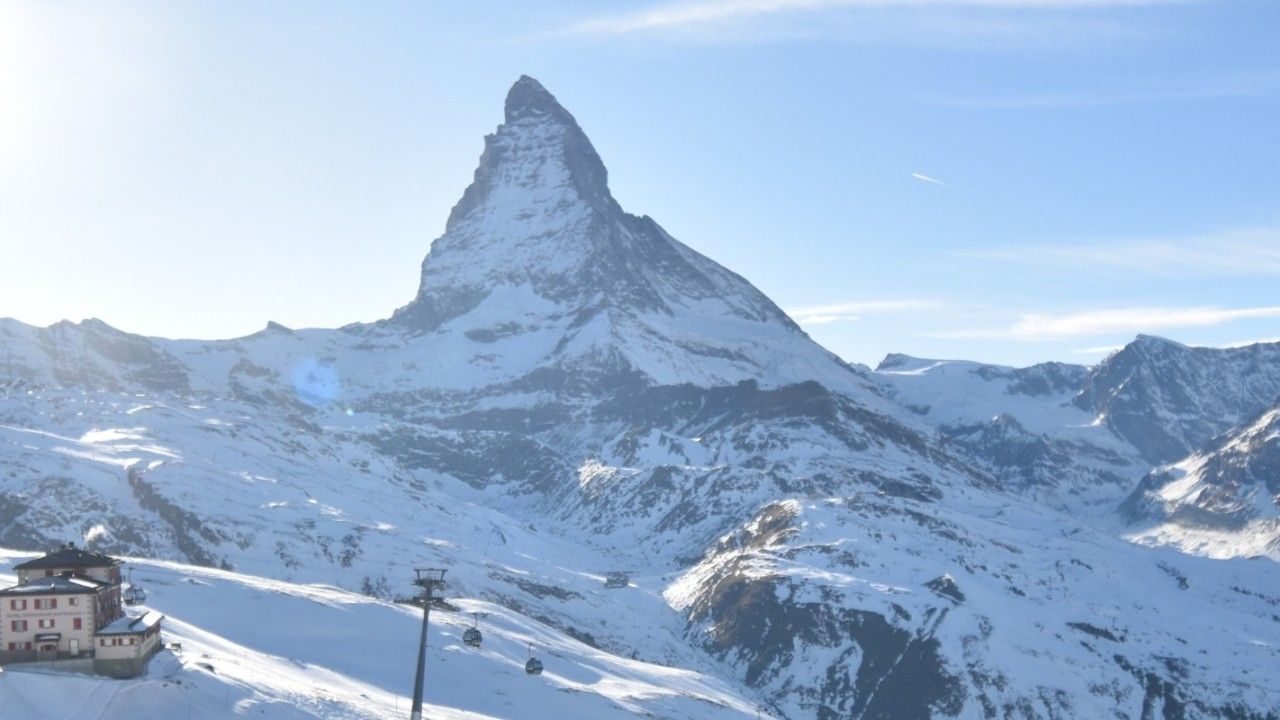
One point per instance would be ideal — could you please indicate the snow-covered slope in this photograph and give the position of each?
(87, 354)
(880, 607)
(573, 391)
(265, 648)
(1223, 501)
(1023, 425)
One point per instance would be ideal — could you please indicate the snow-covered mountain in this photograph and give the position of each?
(1168, 400)
(573, 391)
(872, 606)
(1222, 501)
(539, 269)
(1024, 425)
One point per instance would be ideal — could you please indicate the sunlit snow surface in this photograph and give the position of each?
(265, 648)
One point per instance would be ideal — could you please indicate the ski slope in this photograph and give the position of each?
(270, 649)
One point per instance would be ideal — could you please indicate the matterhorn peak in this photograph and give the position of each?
(539, 158)
(539, 266)
(528, 97)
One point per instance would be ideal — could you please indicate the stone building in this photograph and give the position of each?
(67, 605)
(123, 648)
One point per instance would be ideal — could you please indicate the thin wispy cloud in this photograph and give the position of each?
(925, 178)
(1041, 327)
(852, 311)
(1109, 349)
(1100, 350)
(1241, 86)
(1247, 343)
(711, 12)
(1239, 252)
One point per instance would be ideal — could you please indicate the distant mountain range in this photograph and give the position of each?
(574, 391)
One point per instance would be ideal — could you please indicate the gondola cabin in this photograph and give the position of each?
(533, 666)
(134, 595)
(472, 637)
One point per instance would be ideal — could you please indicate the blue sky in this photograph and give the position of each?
(1004, 180)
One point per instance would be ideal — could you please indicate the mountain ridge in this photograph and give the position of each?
(573, 391)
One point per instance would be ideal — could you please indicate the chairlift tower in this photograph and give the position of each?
(430, 580)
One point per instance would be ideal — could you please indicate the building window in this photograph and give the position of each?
(26, 646)
(53, 603)
(76, 624)
(37, 604)
(46, 624)
(73, 601)
(133, 641)
(17, 604)
(18, 626)
(13, 647)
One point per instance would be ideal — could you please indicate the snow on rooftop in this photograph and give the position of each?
(132, 624)
(57, 584)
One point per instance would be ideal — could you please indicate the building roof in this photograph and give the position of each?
(58, 585)
(69, 556)
(132, 624)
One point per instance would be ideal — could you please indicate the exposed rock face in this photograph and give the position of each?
(89, 354)
(836, 608)
(1168, 399)
(574, 391)
(1223, 500)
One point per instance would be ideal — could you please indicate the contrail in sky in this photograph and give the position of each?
(925, 178)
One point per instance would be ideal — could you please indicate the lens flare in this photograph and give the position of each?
(316, 382)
